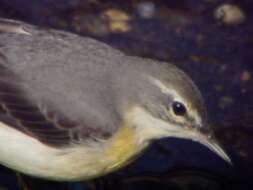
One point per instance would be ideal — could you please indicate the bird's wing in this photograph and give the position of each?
(49, 123)
(41, 122)
(19, 112)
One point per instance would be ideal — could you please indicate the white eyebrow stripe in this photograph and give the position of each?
(164, 89)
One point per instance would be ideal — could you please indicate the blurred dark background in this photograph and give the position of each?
(212, 40)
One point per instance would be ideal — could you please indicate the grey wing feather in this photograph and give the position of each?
(17, 111)
(49, 90)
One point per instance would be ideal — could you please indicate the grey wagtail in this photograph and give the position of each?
(73, 108)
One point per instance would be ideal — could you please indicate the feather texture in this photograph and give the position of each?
(52, 89)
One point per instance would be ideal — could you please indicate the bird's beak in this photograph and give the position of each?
(210, 143)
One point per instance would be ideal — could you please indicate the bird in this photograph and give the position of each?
(73, 108)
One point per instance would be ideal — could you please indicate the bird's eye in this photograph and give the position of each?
(178, 108)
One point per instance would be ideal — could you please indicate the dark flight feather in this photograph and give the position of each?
(18, 112)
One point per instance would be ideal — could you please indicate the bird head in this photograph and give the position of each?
(165, 102)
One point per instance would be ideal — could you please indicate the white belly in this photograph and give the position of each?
(28, 155)
(23, 153)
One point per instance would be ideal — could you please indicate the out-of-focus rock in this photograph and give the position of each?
(91, 24)
(245, 76)
(229, 14)
(146, 9)
(225, 102)
(118, 20)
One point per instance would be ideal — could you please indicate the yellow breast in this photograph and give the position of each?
(122, 148)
